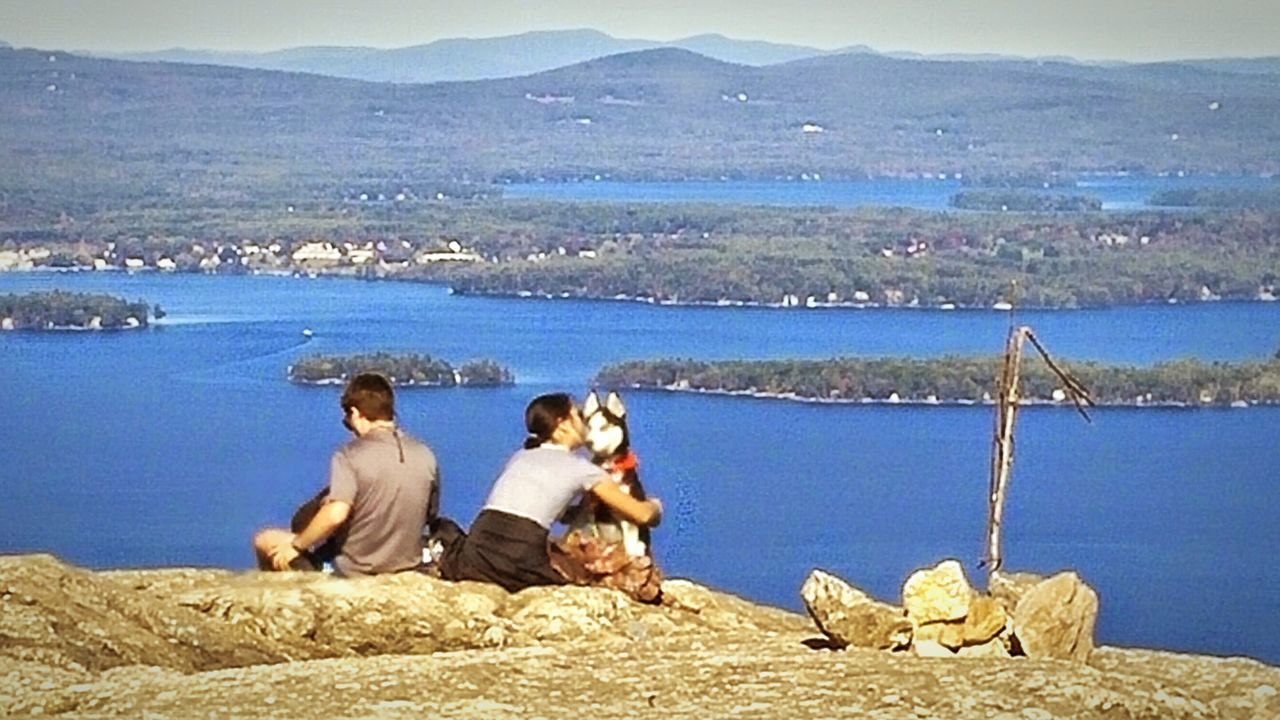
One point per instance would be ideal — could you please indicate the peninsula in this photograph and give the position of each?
(954, 380)
(402, 369)
(58, 310)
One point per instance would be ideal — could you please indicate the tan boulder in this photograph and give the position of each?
(931, 649)
(985, 620)
(1009, 587)
(1055, 619)
(949, 633)
(993, 648)
(937, 594)
(849, 616)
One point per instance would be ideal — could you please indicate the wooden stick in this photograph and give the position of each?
(1078, 393)
(1008, 387)
(1002, 449)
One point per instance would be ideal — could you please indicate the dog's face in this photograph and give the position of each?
(606, 424)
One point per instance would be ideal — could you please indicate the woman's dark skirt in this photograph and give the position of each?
(503, 549)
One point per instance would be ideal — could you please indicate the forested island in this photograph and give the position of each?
(402, 369)
(955, 380)
(1019, 200)
(59, 310)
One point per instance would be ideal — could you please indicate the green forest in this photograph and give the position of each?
(716, 253)
(84, 133)
(1266, 198)
(888, 257)
(956, 380)
(60, 310)
(402, 369)
(1018, 200)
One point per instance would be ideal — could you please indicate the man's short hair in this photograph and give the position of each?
(371, 394)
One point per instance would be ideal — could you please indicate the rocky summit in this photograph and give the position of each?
(181, 643)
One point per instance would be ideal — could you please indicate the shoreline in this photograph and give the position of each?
(352, 274)
(76, 329)
(327, 382)
(840, 305)
(952, 403)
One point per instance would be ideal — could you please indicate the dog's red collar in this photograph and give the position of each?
(623, 463)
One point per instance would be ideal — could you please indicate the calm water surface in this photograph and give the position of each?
(170, 446)
(1116, 192)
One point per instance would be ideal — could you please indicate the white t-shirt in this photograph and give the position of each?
(541, 483)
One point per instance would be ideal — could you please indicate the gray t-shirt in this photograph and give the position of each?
(389, 485)
(540, 484)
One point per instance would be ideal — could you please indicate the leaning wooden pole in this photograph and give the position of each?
(1007, 389)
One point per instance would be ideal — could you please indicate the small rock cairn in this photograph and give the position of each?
(943, 616)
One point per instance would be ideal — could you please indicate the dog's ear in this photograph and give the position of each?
(591, 405)
(613, 404)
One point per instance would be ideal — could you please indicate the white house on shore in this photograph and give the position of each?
(360, 256)
(324, 252)
(433, 256)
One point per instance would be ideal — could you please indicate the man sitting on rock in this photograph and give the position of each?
(383, 490)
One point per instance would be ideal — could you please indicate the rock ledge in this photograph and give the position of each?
(208, 643)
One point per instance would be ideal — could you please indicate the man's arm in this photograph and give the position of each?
(327, 519)
(331, 515)
(433, 500)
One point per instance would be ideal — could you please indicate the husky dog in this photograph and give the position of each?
(610, 445)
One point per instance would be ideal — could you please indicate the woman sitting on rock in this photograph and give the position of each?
(507, 544)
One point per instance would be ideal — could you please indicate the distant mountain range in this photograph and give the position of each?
(473, 59)
(534, 52)
(86, 129)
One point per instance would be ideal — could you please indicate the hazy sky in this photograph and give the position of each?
(1093, 29)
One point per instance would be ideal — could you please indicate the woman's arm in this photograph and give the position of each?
(641, 512)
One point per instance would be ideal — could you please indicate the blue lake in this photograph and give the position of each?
(1128, 192)
(171, 445)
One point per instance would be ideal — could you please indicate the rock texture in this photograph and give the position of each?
(1055, 619)
(850, 617)
(210, 644)
(947, 633)
(1009, 587)
(985, 619)
(937, 594)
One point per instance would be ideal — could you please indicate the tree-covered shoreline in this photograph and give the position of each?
(954, 380)
(60, 310)
(402, 369)
(892, 258)
(703, 254)
(1263, 198)
(1023, 200)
